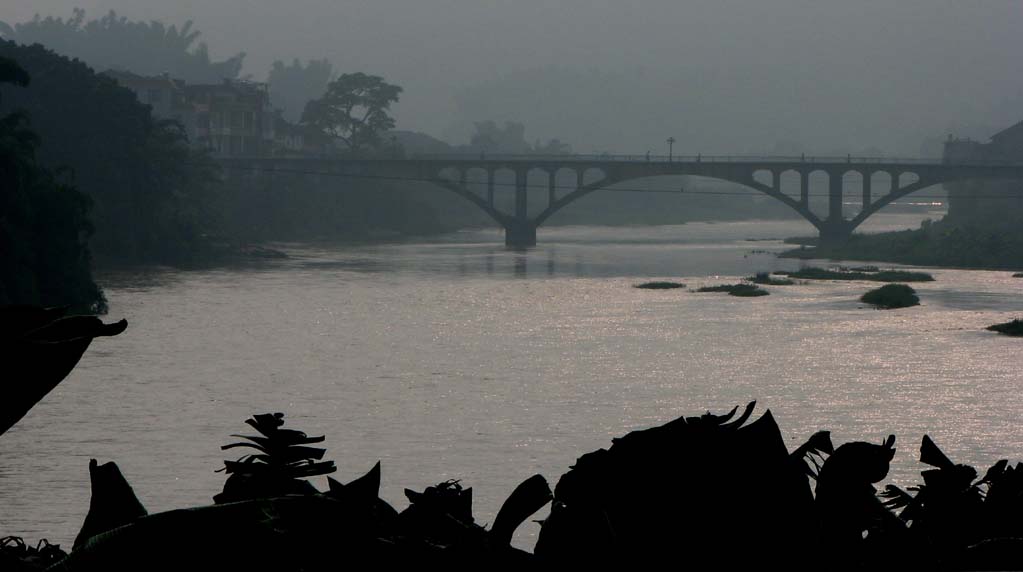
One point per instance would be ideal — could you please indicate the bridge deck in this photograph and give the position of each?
(451, 172)
(536, 159)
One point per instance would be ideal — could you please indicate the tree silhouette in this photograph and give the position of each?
(44, 226)
(354, 110)
(292, 86)
(152, 193)
(113, 41)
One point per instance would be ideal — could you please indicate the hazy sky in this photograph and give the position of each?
(719, 75)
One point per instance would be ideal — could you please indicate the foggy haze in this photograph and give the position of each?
(720, 76)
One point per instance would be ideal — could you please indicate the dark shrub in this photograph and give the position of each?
(664, 285)
(741, 290)
(891, 296)
(1013, 328)
(814, 273)
(768, 280)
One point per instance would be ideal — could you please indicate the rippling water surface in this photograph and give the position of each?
(459, 359)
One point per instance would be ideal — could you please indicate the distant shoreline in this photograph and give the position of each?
(939, 245)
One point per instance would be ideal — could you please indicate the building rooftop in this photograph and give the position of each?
(136, 81)
(1009, 133)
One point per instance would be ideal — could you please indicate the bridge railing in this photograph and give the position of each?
(699, 158)
(644, 158)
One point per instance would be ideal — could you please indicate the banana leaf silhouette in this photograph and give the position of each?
(113, 502)
(39, 347)
(277, 469)
(684, 492)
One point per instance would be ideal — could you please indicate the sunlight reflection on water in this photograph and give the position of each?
(459, 359)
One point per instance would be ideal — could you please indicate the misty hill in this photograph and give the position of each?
(114, 42)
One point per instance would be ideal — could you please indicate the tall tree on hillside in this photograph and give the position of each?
(11, 72)
(292, 86)
(152, 193)
(114, 42)
(44, 257)
(354, 110)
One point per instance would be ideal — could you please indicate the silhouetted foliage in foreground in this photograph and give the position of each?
(709, 492)
(891, 296)
(698, 491)
(1013, 328)
(282, 460)
(38, 348)
(16, 556)
(272, 524)
(703, 492)
(113, 502)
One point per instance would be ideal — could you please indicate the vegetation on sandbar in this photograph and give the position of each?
(1013, 328)
(1018, 275)
(768, 280)
(891, 296)
(815, 273)
(660, 285)
(957, 243)
(742, 290)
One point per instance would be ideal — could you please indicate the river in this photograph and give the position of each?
(457, 359)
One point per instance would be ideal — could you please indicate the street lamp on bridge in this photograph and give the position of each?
(671, 142)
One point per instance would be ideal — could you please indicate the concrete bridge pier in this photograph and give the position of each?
(519, 231)
(835, 229)
(521, 194)
(519, 234)
(490, 187)
(834, 232)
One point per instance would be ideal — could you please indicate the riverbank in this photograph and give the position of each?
(212, 253)
(939, 244)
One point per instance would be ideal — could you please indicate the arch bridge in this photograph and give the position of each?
(594, 172)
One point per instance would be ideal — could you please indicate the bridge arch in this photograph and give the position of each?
(902, 182)
(881, 182)
(888, 198)
(907, 178)
(790, 182)
(766, 189)
(457, 184)
(766, 177)
(853, 179)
